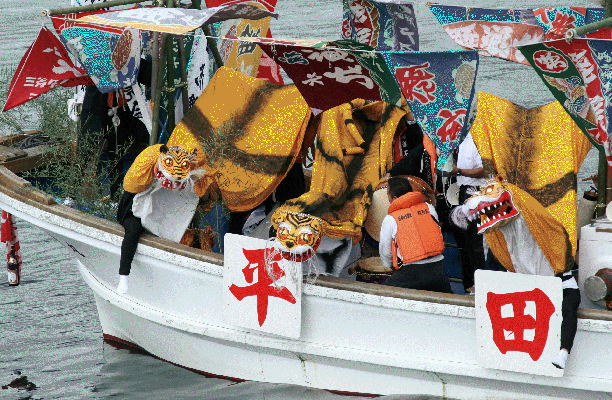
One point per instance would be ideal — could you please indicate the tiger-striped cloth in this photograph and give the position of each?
(9, 236)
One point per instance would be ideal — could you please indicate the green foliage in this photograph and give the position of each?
(72, 165)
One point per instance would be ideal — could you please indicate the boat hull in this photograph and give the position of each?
(355, 338)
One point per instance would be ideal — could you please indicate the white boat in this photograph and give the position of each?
(356, 337)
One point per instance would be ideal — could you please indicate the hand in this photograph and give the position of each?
(454, 171)
(198, 173)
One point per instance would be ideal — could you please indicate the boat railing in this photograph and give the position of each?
(23, 191)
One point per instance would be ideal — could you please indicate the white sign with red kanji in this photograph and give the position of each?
(518, 321)
(251, 297)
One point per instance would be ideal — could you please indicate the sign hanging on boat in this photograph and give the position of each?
(518, 321)
(261, 290)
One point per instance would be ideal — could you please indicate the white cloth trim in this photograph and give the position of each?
(526, 255)
(164, 212)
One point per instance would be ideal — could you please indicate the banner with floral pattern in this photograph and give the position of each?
(578, 74)
(497, 32)
(439, 88)
(328, 74)
(110, 55)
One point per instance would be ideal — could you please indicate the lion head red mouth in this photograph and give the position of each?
(494, 213)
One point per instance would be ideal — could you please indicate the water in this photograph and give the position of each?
(51, 337)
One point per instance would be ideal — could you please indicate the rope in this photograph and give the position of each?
(279, 43)
(34, 140)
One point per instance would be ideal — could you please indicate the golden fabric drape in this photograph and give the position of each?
(540, 150)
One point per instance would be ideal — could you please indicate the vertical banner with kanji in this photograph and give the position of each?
(518, 321)
(577, 74)
(439, 88)
(388, 25)
(251, 298)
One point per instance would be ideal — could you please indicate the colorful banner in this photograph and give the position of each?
(439, 88)
(578, 75)
(269, 4)
(199, 69)
(497, 32)
(177, 21)
(110, 55)
(269, 70)
(346, 75)
(45, 65)
(388, 26)
(240, 55)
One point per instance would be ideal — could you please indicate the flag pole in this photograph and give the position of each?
(91, 7)
(183, 65)
(156, 91)
(604, 183)
(604, 178)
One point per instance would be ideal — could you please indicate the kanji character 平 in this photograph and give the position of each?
(262, 288)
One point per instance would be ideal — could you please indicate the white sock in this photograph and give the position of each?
(561, 359)
(122, 288)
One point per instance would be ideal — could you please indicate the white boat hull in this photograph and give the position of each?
(355, 338)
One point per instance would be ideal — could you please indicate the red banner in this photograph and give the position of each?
(9, 236)
(45, 65)
(269, 70)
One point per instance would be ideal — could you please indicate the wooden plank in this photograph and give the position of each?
(34, 158)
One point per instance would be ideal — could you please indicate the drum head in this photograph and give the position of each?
(374, 265)
(378, 211)
(379, 207)
(609, 211)
(452, 194)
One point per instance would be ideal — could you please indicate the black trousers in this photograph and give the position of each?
(133, 230)
(569, 312)
(428, 276)
(470, 245)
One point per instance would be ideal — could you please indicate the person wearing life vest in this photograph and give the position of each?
(411, 241)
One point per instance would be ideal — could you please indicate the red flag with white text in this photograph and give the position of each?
(45, 65)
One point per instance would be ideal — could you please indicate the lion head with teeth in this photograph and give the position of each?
(493, 205)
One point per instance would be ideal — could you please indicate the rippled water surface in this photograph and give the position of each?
(51, 343)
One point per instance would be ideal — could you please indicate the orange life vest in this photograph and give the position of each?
(418, 235)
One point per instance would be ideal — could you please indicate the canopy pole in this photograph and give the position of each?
(604, 194)
(90, 7)
(157, 90)
(170, 85)
(154, 77)
(183, 64)
(213, 46)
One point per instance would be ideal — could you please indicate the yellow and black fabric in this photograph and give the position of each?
(251, 132)
(353, 152)
(539, 152)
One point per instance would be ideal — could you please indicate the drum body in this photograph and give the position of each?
(371, 270)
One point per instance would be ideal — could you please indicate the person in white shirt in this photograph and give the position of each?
(470, 176)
